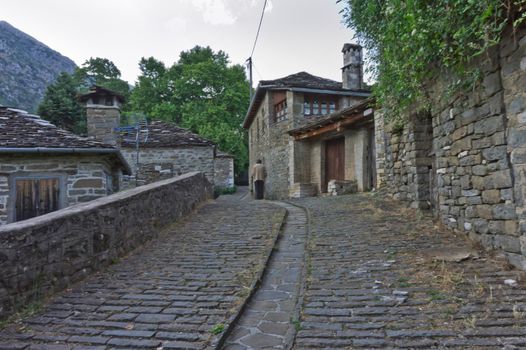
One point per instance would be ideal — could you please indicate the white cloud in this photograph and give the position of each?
(214, 12)
(176, 25)
(269, 7)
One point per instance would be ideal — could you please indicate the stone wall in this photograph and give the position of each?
(471, 171)
(224, 171)
(162, 163)
(82, 178)
(269, 141)
(43, 255)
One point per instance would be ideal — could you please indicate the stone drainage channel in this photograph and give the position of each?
(270, 318)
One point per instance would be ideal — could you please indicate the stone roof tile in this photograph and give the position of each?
(164, 135)
(19, 129)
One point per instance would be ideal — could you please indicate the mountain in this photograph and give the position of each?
(27, 67)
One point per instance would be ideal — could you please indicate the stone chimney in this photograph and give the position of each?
(352, 71)
(103, 113)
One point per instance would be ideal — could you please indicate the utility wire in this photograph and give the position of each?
(257, 72)
(259, 27)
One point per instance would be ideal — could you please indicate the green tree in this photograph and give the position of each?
(103, 72)
(61, 107)
(202, 92)
(415, 42)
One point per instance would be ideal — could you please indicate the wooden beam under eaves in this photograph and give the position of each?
(337, 126)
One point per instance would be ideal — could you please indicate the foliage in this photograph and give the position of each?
(219, 191)
(61, 107)
(413, 42)
(218, 329)
(201, 92)
(102, 72)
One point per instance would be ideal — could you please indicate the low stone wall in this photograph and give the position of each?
(45, 254)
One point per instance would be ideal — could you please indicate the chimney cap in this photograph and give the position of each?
(97, 90)
(348, 46)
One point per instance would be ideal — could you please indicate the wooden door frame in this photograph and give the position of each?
(11, 202)
(325, 179)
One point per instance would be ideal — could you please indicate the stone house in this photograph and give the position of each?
(164, 150)
(465, 160)
(299, 162)
(44, 168)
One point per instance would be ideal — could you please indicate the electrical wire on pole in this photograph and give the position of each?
(249, 60)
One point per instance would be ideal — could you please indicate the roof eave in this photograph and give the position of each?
(63, 150)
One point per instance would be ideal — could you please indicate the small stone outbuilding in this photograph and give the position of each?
(44, 168)
(168, 151)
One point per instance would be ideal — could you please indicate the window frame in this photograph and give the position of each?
(62, 196)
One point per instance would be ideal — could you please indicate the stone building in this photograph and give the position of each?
(466, 159)
(164, 149)
(300, 165)
(44, 168)
(168, 151)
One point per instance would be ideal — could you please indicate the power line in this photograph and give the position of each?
(259, 28)
(257, 72)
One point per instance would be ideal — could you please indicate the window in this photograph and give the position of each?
(108, 101)
(319, 105)
(315, 107)
(35, 196)
(332, 107)
(306, 107)
(280, 110)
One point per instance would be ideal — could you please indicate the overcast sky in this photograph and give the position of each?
(297, 35)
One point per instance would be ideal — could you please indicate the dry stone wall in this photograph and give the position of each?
(42, 255)
(473, 173)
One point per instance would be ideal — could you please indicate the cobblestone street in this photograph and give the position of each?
(175, 293)
(373, 283)
(348, 272)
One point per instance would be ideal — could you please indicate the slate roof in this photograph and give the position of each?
(305, 80)
(301, 80)
(165, 135)
(220, 154)
(18, 129)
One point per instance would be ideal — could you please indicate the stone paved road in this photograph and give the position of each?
(172, 294)
(268, 320)
(373, 284)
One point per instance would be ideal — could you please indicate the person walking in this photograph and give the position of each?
(259, 173)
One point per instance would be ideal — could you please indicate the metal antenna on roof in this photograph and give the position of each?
(135, 133)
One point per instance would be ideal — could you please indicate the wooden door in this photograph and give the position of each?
(36, 197)
(334, 161)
